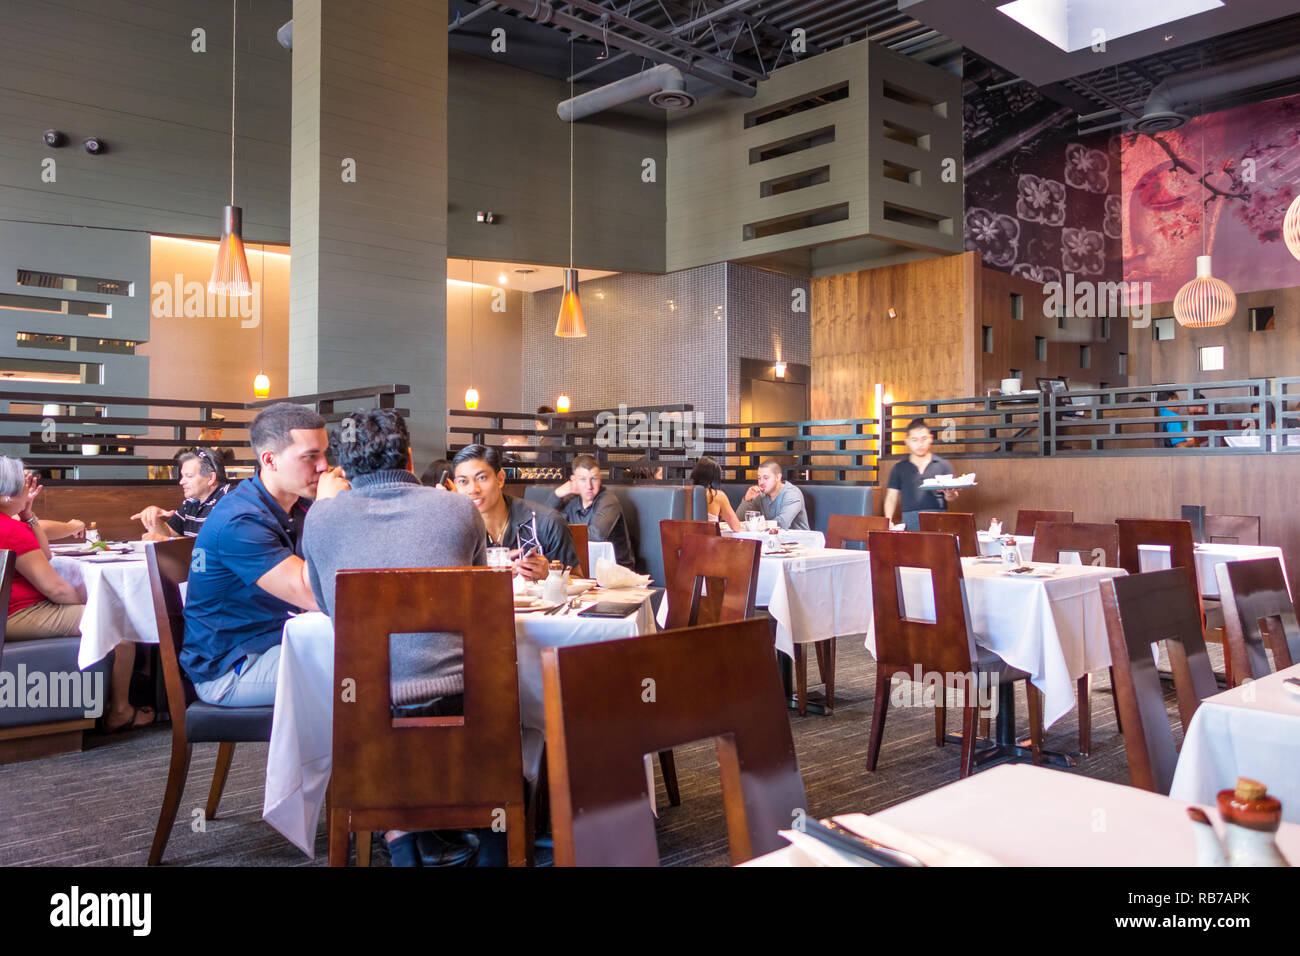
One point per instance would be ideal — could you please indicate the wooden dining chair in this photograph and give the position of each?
(960, 523)
(944, 647)
(840, 530)
(193, 720)
(609, 703)
(1177, 537)
(727, 568)
(427, 773)
(1259, 616)
(1094, 544)
(1141, 610)
(1027, 519)
(1232, 529)
(671, 534)
(852, 529)
(579, 532)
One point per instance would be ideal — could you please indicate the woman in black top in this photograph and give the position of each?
(906, 478)
(480, 474)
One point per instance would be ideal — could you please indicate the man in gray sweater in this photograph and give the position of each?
(775, 499)
(388, 519)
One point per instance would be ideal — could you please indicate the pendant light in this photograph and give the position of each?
(570, 324)
(230, 271)
(1204, 301)
(261, 383)
(562, 403)
(1291, 228)
(471, 393)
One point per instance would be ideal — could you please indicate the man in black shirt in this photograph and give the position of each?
(582, 500)
(906, 478)
(203, 481)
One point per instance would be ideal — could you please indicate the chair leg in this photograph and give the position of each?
(176, 776)
(801, 679)
(518, 837)
(363, 848)
(1034, 704)
(985, 728)
(338, 828)
(1114, 699)
(225, 754)
(969, 715)
(878, 709)
(1084, 694)
(826, 667)
(940, 723)
(669, 768)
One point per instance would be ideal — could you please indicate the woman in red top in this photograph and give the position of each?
(41, 603)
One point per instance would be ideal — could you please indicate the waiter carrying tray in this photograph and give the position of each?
(906, 478)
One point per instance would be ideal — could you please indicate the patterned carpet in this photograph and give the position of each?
(99, 807)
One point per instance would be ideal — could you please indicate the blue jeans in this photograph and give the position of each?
(254, 685)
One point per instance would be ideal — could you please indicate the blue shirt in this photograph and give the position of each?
(227, 616)
(1173, 426)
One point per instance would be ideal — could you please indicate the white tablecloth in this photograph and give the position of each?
(807, 539)
(1052, 627)
(817, 594)
(1154, 557)
(989, 545)
(1031, 816)
(597, 550)
(119, 606)
(300, 757)
(1249, 731)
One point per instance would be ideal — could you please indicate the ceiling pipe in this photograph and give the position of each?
(664, 85)
(1162, 109)
(544, 13)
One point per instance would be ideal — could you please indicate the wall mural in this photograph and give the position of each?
(1041, 201)
(1235, 197)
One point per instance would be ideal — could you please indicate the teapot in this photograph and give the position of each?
(1250, 820)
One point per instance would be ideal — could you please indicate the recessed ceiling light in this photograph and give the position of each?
(503, 278)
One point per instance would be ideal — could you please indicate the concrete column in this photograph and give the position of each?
(368, 288)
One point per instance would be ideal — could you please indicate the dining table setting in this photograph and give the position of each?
(119, 605)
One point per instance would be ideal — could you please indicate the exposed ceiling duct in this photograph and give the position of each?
(664, 85)
(1163, 108)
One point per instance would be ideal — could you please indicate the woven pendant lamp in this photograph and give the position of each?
(1205, 301)
(230, 271)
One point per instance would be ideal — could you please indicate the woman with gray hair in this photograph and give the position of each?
(41, 603)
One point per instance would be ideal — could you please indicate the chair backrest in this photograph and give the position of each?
(6, 585)
(169, 567)
(382, 762)
(844, 529)
(1232, 529)
(1258, 615)
(1142, 609)
(579, 532)
(944, 646)
(1175, 535)
(727, 567)
(671, 534)
(1027, 519)
(960, 523)
(718, 682)
(1095, 543)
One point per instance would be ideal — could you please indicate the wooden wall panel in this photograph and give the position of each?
(1106, 488)
(1246, 354)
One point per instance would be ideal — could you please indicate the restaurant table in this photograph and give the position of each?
(1249, 731)
(119, 604)
(806, 539)
(815, 594)
(992, 546)
(300, 756)
(1031, 816)
(1052, 627)
(1155, 557)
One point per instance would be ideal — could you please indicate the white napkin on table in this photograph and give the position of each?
(995, 528)
(611, 575)
(898, 527)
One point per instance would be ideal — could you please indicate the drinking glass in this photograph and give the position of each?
(498, 558)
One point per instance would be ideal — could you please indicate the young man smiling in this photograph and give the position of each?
(248, 575)
(582, 500)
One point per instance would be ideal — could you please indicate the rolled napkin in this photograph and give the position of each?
(611, 575)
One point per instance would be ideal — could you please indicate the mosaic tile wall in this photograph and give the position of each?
(651, 340)
(762, 323)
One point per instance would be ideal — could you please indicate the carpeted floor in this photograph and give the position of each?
(99, 807)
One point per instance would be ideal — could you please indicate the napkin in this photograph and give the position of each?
(611, 575)
(995, 528)
(930, 850)
(897, 527)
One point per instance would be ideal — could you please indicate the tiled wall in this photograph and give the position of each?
(660, 340)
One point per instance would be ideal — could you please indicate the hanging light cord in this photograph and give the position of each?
(572, 120)
(234, 35)
(261, 321)
(471, 323)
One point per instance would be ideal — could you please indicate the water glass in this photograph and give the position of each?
(498, 558)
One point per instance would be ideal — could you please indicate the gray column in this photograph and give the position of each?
(368, 290)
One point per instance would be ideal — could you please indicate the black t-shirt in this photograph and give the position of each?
(907, 481)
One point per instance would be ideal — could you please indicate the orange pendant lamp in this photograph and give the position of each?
(471, 393)
(230, 271)
(1205, 301)
(1291, 228)
(570, 324)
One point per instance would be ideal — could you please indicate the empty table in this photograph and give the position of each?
(991, 545)
(1248, 731)
(1155, 557)
(815, 594)
(806, 539)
